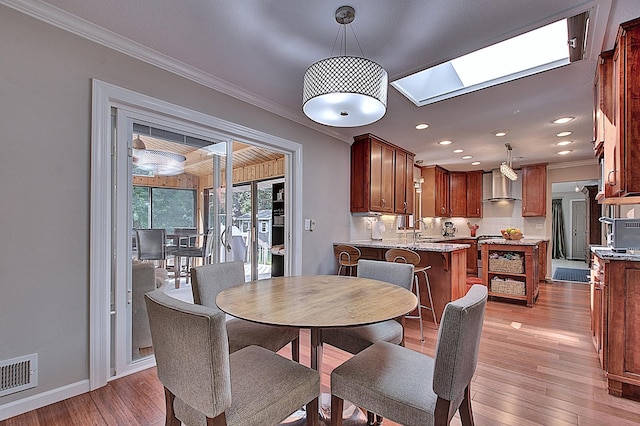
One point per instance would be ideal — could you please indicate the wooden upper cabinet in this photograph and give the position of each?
(474, 193)
(458, 194)
(435, 192)
(534, 190)
(374, 176)
(382, 176)
(403, 182)
(617, 128)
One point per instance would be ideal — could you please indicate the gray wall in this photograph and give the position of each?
(45, 131)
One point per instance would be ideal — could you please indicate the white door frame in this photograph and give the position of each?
(106, 96)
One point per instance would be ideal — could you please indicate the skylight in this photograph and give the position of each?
(539, 50)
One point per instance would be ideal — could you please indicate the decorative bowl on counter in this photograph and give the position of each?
(512, 234)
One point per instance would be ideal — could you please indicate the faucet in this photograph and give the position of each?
(414, 228)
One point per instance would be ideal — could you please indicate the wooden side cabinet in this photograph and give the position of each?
(534, 190)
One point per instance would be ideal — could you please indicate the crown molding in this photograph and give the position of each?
(85, 29)
(579, 163)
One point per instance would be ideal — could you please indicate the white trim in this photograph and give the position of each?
(78, 26)
(580, 163)
(33, 402)
(105, 96)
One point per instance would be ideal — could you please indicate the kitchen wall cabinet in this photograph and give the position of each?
(435, 192)
(403, 182)
(615, 290)
(618, 106)
(457, 194)
(374, 171)
(474, 193)
(534, 190)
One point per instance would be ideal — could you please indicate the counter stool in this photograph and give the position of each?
(347, 256)
(409, 256)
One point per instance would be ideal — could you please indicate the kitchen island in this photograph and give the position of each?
(448, 273)
(511, 268)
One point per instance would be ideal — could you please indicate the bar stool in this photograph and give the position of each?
(409, 256)
(347, 256)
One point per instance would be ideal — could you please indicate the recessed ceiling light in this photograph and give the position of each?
(422, 126)
(467, 157)
(445, 142)
(475, 163)
(500, 133)
(565, 152)
(458, 151)
(564, 143)
(563, 120)
(563, 134)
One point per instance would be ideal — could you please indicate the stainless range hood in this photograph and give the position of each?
(500, 187)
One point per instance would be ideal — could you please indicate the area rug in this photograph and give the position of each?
(571, 274)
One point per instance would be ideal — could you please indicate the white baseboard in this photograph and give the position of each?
(21, 406)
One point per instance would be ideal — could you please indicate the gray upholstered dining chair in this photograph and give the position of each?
(151, 244)
(205, 384)
(409, 387)
(355, 339)
(209, 280)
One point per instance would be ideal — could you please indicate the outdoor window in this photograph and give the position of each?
(163, 208)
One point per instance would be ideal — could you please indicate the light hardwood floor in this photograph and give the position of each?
(536, 366)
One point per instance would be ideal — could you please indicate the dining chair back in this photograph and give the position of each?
(191, 253)
(411, 388)
(347, 256)
(355, 339)
(209, 280)
(186, 236)
(250, 387)
(150, 244)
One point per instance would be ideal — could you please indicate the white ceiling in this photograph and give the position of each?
(258, 51)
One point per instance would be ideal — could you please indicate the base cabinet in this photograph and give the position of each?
(472, 254)
(517, 283)
(614, 319)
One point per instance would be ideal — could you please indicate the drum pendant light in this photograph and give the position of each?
(345, 91)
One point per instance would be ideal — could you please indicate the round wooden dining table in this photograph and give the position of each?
(317, 302)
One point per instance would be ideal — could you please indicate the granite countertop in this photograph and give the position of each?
(606, 253)
(523, 242)
(401, 243)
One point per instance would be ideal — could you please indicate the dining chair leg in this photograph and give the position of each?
(337, 405)
(313, 412)
(295, 349)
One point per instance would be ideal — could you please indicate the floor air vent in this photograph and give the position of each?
(18, 374)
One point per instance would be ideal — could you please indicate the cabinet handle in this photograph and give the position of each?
(609, 177)
(383, 203)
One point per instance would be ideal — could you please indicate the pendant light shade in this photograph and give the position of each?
(345, 91)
